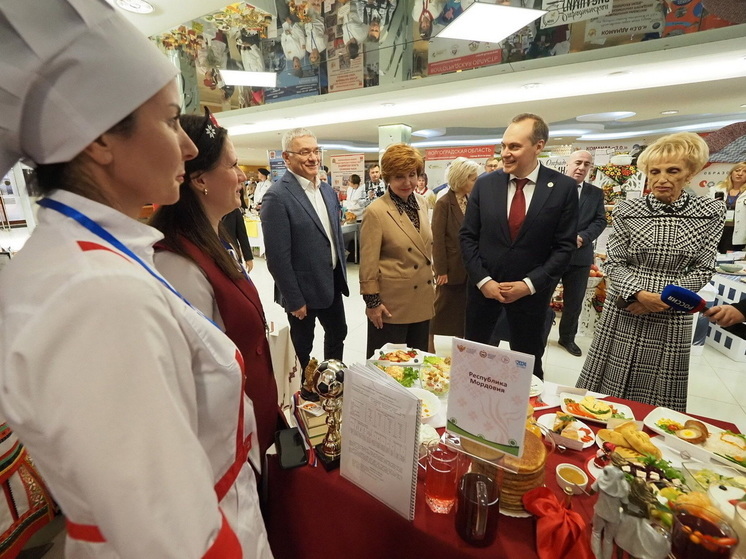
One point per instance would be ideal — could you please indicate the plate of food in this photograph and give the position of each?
(430, 403)
(629, 442)
(537, 386)
(406, 376)
(435, 374)
(568, 427)
(686, 433)
(593, 409)
(544, 401)
(400, 354)
(731, 269)
(723, 484)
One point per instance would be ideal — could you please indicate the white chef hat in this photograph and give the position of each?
(69, 71)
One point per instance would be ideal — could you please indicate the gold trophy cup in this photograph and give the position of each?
(329, 387)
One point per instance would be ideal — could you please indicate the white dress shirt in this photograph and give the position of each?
(528, 190)
(528, 193)
(313, 191)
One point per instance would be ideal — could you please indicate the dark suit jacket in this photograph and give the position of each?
(236, 227)
(591, 223)
(741, 306)
(297, 249)
(447, 219)
(545, 242)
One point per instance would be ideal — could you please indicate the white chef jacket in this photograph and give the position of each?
(357, 201)
(252, 59)
(260, 190)
(127, 399)
(293, 41)
(315, 37)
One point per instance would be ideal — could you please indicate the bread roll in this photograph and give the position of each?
(641, 443)
(628, 453)
(613, 437)
(626, 426)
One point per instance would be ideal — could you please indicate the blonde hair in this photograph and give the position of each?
(727, 184)
(400, 159)
(685, 146)
(459, 172)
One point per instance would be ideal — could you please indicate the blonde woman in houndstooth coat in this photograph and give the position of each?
(641, 352)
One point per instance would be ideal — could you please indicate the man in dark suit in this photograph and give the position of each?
(304, 248)
(517, 238)
(236, 228)
(591, 223)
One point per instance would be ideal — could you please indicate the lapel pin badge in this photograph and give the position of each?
(550, 184)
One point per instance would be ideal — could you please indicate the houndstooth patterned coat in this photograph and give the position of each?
(646, 358)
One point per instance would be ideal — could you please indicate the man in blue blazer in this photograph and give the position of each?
(591, 223)
(304, 248)
(517, 238)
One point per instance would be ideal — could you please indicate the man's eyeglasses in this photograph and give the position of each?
(305, 153)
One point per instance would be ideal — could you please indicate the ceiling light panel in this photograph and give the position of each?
(489, 23)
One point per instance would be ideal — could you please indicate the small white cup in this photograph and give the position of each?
(577, 488)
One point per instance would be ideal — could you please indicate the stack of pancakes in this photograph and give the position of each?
(527, 474)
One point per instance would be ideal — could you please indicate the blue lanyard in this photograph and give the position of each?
(230, 250)
(99, 231)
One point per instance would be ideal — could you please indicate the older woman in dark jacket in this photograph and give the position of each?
(450, 294)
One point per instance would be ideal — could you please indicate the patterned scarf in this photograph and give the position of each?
(409, 207)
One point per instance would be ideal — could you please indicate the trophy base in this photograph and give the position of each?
(328, 462)
(308, 396)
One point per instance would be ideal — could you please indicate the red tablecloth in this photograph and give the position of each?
(312, 513)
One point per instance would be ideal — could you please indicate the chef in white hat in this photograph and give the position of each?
(129, 400)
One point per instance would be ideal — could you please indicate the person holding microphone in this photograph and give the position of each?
(731, 317)
(640, 349)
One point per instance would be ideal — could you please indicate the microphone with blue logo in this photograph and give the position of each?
(681, 299)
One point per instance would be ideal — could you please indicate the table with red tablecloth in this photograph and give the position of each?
(312, 513)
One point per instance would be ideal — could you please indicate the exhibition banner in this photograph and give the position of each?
(563, 12)
(437, 160)
(277, 166)
(342, 166)
(629, 17)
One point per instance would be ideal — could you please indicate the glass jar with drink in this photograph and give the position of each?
(701, 533)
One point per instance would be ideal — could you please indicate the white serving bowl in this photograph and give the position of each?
(732, 268)
(577, 489)
(430, 403)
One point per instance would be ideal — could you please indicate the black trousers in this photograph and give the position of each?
(333, 321)
(574, 284)
(526, 319)
(415, 335)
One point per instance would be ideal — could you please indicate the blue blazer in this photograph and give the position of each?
(297, 249)
(545, 242)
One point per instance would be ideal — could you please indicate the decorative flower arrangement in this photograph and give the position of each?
(618, 173)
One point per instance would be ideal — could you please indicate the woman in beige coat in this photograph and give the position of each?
(396, 277)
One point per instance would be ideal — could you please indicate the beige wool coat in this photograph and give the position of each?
(396, 261)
